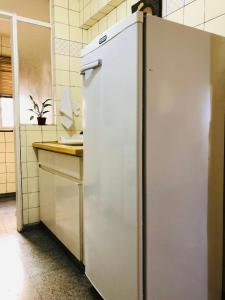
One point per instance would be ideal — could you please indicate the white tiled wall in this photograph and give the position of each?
(68, 40)
(29, 166)
(207, 15)
(7, 163)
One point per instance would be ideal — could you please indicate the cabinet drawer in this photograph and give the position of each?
(67, 164)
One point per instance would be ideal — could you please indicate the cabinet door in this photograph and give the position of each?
(68, 214)
(46, 180)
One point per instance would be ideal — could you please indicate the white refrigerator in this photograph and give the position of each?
(153, 161)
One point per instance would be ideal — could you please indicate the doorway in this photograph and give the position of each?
(29, 58)
(7, 130)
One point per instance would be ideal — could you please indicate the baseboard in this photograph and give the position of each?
(4, 197)
(28, 227)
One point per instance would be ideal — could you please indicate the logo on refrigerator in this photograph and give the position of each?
(102, 39)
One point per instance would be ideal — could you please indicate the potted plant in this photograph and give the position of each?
(40, 111)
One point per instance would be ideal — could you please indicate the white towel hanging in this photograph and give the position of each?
(66, 108)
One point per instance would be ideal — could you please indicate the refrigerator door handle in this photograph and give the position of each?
(91, 66)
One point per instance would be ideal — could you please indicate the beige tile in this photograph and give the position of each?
(31, 154)
(76, 93)
(61, 15)
(3, 178)
(33, 200)
(75, 64)
(74, 5)
(173, 5)
(2, 147)
(32, 169)
(75, 34)
(2, 137)
(10, 168)
(2, 188)
(201, 26)
(216, 26)
(32, 185)
(9, 137)
(121, 11)
(11, 177)
(11, 187)
(85, 36)
(194, 13)
(34, 215)
(102, 26)
(25, 216)
(62, 31)
(62, 77)
(177, 16)
(25, 201)
(10, 157)
(33, 136)
(24, 170)
(23, 154)
(75, 79)
(9, 147)
(58, 92)
(33, 127)
(62, 62)
(24, 185)
(63, 3)
(23, 138)
(111, 18)
(2, 168)
(2, 157)
(74, 18)
(214, 8)
(49, 136)
(49, 128)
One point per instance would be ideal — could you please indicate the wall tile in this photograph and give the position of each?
(2, 188)
(76, 34)
(63, 3)
(9, 136)
(61, 15)
(33, 136)
(61, 31)
(216, 26)
(2, 137)
(3, 178)
(75, 49)
(11, 177)
(32, 169)
(2, 157)
(25, 216)
(9, 147)
(214, 8)
(10, 168)
(74, 5)
(74, 18)
(62, 62)
(33, 200)
(173, 5)
(25, 201)
(11, 187)
(33, 185)
(62, 47)
(177, 16)
(2, 147)
(121, 11)
(2, 168)
(34, 215)
(194, 13)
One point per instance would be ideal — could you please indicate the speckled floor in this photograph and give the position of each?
(33, 266)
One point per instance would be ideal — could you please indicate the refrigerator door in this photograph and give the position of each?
(185, 86)
(112, 121)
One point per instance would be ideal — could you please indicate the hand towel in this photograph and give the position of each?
(66, 109)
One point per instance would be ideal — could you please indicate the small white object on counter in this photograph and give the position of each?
(71, 141)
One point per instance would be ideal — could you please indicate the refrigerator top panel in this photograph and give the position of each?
(112, 32)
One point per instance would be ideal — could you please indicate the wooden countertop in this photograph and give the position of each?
(55, 147)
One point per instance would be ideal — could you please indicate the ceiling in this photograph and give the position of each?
(4, 27)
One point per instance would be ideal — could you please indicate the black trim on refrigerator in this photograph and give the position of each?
(144, 160)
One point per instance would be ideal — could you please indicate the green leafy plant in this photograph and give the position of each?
(41, 109)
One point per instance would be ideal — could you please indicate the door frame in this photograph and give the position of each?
(14, 18)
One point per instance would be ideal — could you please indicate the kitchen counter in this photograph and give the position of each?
(59, 148)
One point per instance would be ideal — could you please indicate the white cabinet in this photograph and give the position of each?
(61, 198)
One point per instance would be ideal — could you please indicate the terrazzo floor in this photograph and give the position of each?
(33, 266)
